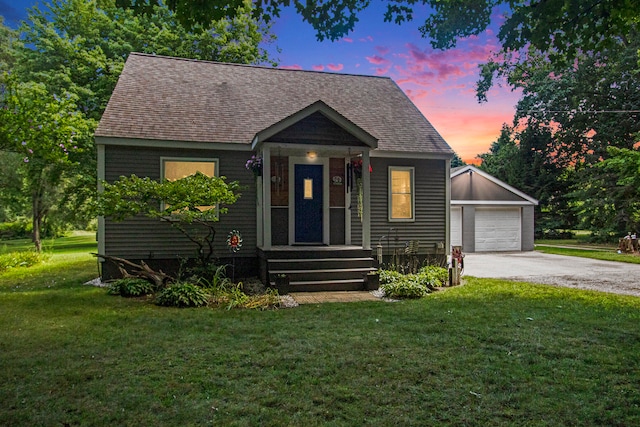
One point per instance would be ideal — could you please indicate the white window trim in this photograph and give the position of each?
(216, 169)
(412, 171)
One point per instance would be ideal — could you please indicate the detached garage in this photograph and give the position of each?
(488, 215)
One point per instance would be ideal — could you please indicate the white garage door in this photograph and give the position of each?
(498, 229)
(456, 226)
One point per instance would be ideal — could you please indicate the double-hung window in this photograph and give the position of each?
(401, 193)
(174, 168)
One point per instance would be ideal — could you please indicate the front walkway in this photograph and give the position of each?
(338, 296)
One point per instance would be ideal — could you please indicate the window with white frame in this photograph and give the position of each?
(401, 193)
(174, 168)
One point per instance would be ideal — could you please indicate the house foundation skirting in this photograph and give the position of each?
(237, 268)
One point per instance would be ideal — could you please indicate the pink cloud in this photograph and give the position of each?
(318, 67)
(335, 67)
(384, 63)
(415, 95)
(291, 67)
(347, 39)
(376, 60)
(365, 39)
(382, 50)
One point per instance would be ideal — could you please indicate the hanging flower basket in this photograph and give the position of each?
(254, 164)
(356, 170)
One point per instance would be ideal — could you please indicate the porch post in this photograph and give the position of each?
(347, 205)
(266, 197)
(366, 208)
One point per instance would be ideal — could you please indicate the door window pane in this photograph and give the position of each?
(308, 188)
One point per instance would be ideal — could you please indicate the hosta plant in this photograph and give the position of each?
(183, 294)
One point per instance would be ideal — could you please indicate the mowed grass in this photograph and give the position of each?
(77, 241)
(604, 255)
(487, 353)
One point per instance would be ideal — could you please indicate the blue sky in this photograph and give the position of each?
(440, 83)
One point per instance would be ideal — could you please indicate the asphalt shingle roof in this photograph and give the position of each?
(176, 99)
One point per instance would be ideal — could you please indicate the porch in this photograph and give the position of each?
(316, 268)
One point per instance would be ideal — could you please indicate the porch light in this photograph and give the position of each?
(312, 154)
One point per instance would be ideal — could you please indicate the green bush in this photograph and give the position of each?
(131, 287)
(18, 229)
(406, 288)
(20, 259)
(434, 275)
(398, 285)
(183, 294)
(390, 276)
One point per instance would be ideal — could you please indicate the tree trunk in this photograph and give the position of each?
(37, 222)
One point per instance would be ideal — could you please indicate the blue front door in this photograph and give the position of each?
(308, 204)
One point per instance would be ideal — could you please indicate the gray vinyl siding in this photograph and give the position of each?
(429, 226)
(144, 238)
(279, 226)
(528, 232)
(336, 225)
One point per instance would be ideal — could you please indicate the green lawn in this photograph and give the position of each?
(593, 253)
(487, 353)
(76, 241)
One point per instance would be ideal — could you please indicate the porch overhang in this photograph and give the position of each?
(312, 136)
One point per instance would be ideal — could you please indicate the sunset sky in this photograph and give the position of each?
(440, 83)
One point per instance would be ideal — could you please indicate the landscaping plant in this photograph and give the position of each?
(397, 285)
(131, 287)
(183, 294)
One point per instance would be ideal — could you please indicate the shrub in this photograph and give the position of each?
(409, 287)
(398, 285)
(434, 275)
(20, 259)
(18, 229)
(183, 294)
(390, 276)
(130, 287)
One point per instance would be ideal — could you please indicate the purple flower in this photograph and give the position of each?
(24, 143)
(26, 160)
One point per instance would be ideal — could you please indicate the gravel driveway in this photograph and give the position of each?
(559, 270)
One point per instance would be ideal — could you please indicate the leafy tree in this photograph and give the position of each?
(587, 22)
(50, 136)
(80, 46)
(587, 107)
(456, 161)
(13, 201)
(609, 203)
(523, 160)
(7, 38)
(179, 203)
(77, 48)
(501, 159)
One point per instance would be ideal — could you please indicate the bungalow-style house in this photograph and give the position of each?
(348, 163)
(488, 215)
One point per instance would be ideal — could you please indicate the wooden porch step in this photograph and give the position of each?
(325, 285)
(325, 271)
(317, 268)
